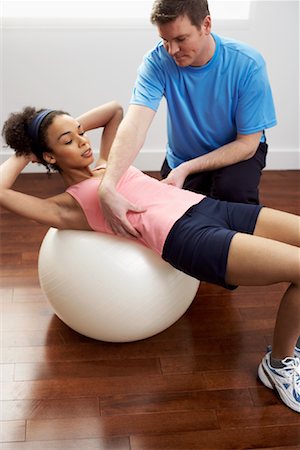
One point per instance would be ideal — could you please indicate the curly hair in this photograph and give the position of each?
(165, 11)
(16, 135)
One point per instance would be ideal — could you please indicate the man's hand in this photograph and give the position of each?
(115, 208)
(176, 177)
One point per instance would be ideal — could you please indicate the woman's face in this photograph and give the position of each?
(70, 146)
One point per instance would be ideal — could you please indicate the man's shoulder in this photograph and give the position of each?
(157, 53)
(240, 50)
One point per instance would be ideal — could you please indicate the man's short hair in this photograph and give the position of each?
(164, 11)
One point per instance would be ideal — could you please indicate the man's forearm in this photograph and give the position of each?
(239, 150)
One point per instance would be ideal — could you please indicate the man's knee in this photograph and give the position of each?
(240, 182)
(233, 189)
(165, 169)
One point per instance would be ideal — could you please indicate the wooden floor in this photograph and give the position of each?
(194, 386)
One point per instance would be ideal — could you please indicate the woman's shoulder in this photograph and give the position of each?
(70, 212)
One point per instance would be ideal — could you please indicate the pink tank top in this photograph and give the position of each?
(164, 205)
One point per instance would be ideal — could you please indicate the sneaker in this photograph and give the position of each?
(285, 381)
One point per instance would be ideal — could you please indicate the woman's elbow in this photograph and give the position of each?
(118, 110)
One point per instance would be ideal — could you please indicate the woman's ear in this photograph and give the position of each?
(49, 158)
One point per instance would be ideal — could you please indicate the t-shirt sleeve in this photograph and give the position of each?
(255, 110)
(149, 86)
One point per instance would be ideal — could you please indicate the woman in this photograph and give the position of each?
(224, 243)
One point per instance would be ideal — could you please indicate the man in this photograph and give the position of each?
(219, 104)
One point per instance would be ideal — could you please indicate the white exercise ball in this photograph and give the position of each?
(110, 288)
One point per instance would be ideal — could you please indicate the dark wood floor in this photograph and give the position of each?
(194, 386)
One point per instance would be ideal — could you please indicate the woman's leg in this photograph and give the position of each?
(278, 225)
(272, 255)
(255, 260)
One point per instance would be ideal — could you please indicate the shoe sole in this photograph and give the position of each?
(265, 378)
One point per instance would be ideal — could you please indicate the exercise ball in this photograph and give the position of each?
(111, 288)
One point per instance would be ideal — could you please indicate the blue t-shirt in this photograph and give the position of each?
(207, 105)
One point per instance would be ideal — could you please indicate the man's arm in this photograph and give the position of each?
(243, 148)
(129, 140)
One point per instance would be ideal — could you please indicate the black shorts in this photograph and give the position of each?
(198, 243)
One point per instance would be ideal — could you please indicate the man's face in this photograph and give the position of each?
(187, 44)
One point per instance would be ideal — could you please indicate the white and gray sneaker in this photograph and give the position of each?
(286, 380)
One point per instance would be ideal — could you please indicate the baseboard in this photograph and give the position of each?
(152, 160)
(283, 159)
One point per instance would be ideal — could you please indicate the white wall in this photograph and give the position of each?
(76, 64)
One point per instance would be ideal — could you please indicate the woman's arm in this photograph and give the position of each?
(108, 116)
(11, 168)
(45, 211)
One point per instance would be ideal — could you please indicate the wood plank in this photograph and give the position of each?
(237, 438)
(105, 386)
(103, 368)
(120, 425)
(159, 348)
(74, 444)
(50, 409)
(174, 401)
(12, 431)
(242, 417)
